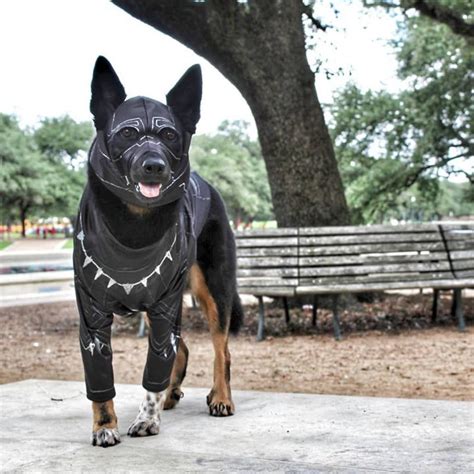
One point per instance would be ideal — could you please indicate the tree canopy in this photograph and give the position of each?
(41, 173)
(233, 163)
(387, 143)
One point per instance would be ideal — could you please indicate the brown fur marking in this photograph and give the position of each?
(104, 415)
(174, 393)
(220, 398)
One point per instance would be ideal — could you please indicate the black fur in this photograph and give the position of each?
(144, 220)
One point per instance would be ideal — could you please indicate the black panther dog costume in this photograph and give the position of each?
(146, 224)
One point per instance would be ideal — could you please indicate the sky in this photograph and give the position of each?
(49, 48)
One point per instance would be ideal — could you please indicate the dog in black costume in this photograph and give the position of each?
(147, 226)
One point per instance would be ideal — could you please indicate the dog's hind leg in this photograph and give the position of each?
(219, 399)
(174, 393)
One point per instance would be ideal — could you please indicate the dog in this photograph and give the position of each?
(146, 228)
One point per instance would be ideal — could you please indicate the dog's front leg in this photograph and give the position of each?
(104, 430)
(148, 419)
(96, 351)
(163, 339)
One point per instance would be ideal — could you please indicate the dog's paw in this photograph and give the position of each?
(105, 437)
(144, 427)
(172, 398)
(220, 406)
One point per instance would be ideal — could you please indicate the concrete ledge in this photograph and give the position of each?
(270, 432)
(16, 257)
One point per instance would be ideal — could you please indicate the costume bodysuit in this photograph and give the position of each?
(111, 278)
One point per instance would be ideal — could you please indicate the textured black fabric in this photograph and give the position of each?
(148, 117)
(111, 278)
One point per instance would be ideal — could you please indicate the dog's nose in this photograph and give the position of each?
(154, 166)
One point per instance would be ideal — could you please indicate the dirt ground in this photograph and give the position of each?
(390, 349)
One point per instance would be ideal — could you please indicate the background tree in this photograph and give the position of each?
(64, 143)
(34, 181)
(260, 47)
(234, 164)
(389, 143)
(455, 14)
(63, 140)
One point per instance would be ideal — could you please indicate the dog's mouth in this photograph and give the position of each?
(149, 190)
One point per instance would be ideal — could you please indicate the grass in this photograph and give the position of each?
(4, 244)
(69, 244)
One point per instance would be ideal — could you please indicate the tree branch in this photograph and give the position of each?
(433, 10)
(307, 10)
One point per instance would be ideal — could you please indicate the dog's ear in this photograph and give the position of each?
(185, 98)
(107, 92)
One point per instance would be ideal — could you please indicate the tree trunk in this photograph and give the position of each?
(23, 220)
(260, 47)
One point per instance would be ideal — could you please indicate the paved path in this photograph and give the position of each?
(35, 245)
(270, 432)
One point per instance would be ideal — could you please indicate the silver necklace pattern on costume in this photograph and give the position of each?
(100, 272)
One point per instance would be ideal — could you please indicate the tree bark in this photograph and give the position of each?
(23, 211)
(259, 46)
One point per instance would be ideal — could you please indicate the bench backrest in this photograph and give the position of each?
(353, 258)
(267, 261)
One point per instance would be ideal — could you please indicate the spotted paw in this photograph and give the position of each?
(144, 427)
(220, 407)
(105, 437)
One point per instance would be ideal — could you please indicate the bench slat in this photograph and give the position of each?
(462, 255)
(375, 238)
(448, 284)
(267, 291)
(270, 242)
(267, 272)
(365, 269)
(465, 274)
(368, 258)
(453, 236)
(267, 252)
(372, 229)
(371, 248)
(368, 279)
(267, 281)
(259, 262)
(282, 231)
(463, 264)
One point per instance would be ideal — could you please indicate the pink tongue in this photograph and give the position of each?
(150, 190)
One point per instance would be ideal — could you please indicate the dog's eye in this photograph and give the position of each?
(128, 132)
(169, 135)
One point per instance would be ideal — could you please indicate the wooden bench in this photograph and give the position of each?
(333, 260)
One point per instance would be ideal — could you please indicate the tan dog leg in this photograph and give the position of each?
(104, 429)
(219, 399)
(174, 393)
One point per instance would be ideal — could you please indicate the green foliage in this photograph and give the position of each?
(232, 162)
(61, 138)
(37, 178)
(390, 146)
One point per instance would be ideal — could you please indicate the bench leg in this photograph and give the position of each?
(458, 313)
(287, 311)
(315, 311)
(142, 327)
(434, 313)
(335, 318)
(261, 320)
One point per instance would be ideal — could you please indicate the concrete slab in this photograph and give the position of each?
(270, 432)
(32, 245)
